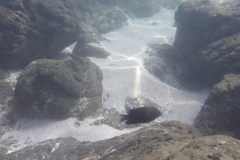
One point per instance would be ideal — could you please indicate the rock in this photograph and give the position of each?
(88, 45)
(221, 111)
(6, 96)
(59, 89)
(157, 141)
(3, 150)
(172, 64)
(168, 140)
(33, 29)
(4, 75)
(210, 147)
(208, 38)
(170, 4)
(144, 9)
(140, 8)
(93, 50)
(96, 17)
(6, 92)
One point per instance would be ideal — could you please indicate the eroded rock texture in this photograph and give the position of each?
(164, 141)
(140, 8)
(208, 38)
(221, 111)
(59, 89)
(34, 29)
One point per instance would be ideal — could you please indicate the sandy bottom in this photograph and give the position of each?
(124, 76)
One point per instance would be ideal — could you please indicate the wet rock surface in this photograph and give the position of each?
(59, 89)
(140, 8)
(6, 91)
(221, 111)
(6, 98)
(144, 143)
(173, 64)
(96, 17)
(210, 147)
(208, 38)
(170, 4)
(168, 140)
(31, 30)
(88, 45)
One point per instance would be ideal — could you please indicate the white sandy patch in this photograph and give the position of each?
(28, 131)
(123, 76)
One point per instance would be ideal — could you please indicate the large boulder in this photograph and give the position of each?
(208, 38)
(140, 8)
(6, 97)
(221, 111)
(168, 140)
(59, 89)
(33, 29)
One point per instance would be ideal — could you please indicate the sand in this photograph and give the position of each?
(123, 76)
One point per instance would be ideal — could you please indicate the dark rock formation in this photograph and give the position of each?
(173, 65)
(170, 4)
(140, 8)
(159, 140)
(6, 97)
(88, 45)
(169, 140)
(221, 111)
(96, 17)
(209, 148)
(33, 29)
(6, 91)
(58, 89)
(208, 38)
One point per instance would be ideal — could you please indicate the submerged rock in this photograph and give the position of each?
(210, 147)
(6, 97)
(88, 45)
(59, 89)
(221, 111)
(159, 140)
(97, 17)
(208, 38)
(168, 140)
(140, 8)
(33, 29)
(170, 4)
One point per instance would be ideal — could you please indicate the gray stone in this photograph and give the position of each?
(159, 140)
(6, 91)
(140, 8)
(170, 4)
(59, 89)
(88, 45)
(221, 111)
(173, 65)
(33, 29)
(208, 38)
(96, 17)
(209, 148)
(165, 141)
(94, 50)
